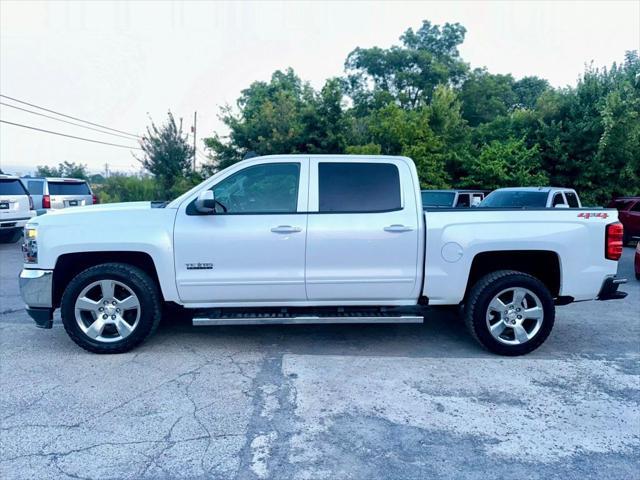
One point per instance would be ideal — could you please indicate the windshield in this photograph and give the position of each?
(68, 188)
(515, 198)
(438, 199)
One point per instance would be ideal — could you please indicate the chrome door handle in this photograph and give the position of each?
(398, 228)
(286, 229)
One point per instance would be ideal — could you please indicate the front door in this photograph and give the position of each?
(362, 240)
(252, 249)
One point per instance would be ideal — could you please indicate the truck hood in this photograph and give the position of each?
(89, 210)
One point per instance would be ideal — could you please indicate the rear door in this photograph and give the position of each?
(362, 239)
(69, 193)
(14, 200)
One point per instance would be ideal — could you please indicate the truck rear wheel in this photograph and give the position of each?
(111, 308)
(509, 312)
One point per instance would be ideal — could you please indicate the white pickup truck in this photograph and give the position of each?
(314, 239)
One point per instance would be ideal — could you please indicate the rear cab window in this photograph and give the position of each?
(68, 188)
(352, 187)
(515, 199)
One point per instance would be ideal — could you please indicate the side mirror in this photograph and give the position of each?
(206, 202)
(561, 205)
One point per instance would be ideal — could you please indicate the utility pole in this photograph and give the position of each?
(195, 119)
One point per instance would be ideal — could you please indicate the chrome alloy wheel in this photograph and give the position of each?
(107, 311)
(515, 315)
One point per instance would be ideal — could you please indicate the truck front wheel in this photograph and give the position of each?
(509, 312)
(111, 308)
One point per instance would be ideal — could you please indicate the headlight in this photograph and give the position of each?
(30, 245)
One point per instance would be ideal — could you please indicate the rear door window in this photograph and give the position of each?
(572, 199)
(358, 187)
(558, 199)
(69, 188)
(35, 188)
(11, 187)
(437, 199)
(463, 200)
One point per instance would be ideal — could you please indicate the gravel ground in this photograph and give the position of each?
(334, 402)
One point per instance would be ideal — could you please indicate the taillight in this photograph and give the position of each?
(613, 241)
(46, 201)
(30, 203)
(95, 198)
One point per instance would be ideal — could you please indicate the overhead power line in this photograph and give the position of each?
(69, 136)
(69, 116)
(64, 121)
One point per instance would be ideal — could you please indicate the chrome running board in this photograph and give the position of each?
(274, 319)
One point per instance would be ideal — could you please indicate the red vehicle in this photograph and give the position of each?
(629, 214)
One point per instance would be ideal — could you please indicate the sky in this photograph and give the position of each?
(119, 64)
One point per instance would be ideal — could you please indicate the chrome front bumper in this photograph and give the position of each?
(36, 289)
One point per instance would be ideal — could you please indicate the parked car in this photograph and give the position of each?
(452, 198)
(532, 197)
(629, 214)
(636, 261)
(314, 239)
(16, 207)
(53, 193)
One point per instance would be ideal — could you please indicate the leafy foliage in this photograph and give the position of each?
(65, 169)
(167, 155)
(462, 127)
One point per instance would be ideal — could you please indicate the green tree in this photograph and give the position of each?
(284, 115)
(167, 155)
(126, 188)
(486, 96)
(64, 169)
(506, 164)
(409, 73)
(527, 91)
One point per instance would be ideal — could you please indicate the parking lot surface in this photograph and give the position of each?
(314, 402)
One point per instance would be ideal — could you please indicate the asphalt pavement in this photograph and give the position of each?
(322, 402)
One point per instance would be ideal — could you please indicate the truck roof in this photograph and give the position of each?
(531, 189)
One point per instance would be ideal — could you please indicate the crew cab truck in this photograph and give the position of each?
(314, 239)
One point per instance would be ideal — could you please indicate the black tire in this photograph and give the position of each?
(477, 305)
(11, 236)
(144, 287)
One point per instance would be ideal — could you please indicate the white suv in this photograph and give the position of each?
(16, 207)
(54, 193)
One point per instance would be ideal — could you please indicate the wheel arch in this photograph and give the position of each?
(69, 265)
(542, 264)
